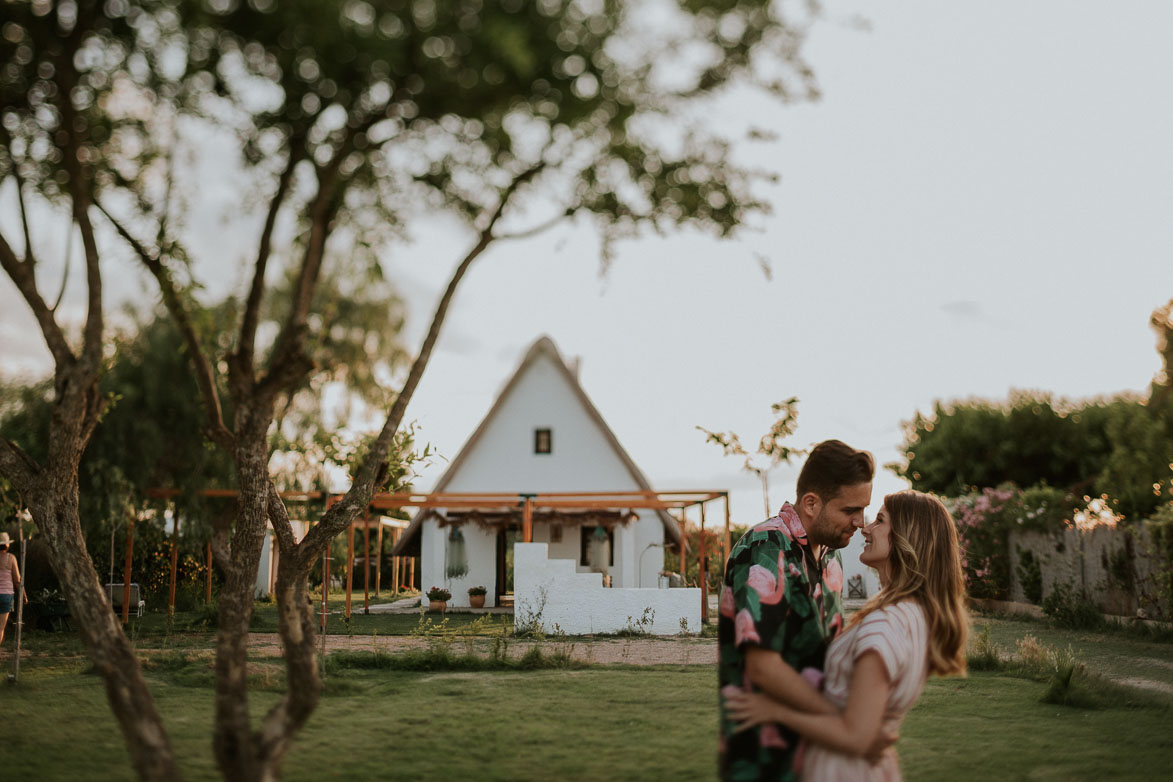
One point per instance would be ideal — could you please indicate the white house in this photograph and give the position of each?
(542, 435)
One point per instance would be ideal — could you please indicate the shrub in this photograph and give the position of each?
(438, 593)
(1072, 609)
(1030, 575)
(983, 654)
(1160, 528)
(477, 590)
(985, 520)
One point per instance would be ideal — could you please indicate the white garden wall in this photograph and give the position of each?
(552, 593)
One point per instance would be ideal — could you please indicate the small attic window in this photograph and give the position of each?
(543, 441)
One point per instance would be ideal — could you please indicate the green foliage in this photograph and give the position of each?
(713, 572)
(771, 451)
(1160, 529)
(1117, 446)
(639, 627)
(1071, 608)
(1030, 575)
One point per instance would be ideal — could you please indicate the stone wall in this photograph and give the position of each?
(1116, 568)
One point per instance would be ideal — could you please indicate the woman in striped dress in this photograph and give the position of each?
(916, 625)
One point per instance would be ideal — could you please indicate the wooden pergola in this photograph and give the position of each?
(526, 504)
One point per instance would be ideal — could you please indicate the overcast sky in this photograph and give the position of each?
(981, 201)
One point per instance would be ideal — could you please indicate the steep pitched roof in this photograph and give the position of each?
(544, 346)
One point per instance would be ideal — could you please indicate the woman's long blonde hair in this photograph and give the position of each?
(924, 564)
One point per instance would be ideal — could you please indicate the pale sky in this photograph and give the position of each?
(981, 201)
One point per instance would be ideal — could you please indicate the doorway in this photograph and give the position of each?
(505, 539)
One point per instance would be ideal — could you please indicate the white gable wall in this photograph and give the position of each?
(503, 459)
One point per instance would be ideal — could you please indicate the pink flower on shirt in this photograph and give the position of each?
(744, 630)
(766, 583)
(728, 609)
(813, 676)
(833, 576)
(768, 736)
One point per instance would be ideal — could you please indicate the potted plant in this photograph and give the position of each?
(438, 599)
(476, 596)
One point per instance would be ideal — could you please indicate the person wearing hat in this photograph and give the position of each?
(9, 581)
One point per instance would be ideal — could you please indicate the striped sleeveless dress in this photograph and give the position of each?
(900, 634)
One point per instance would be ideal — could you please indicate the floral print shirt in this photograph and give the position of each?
(776, 596)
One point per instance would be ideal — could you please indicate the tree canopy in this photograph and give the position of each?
(353, 120)
(1120, 445)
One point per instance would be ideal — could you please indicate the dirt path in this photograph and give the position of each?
(608, 651)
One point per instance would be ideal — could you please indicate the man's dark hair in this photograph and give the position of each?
(831, 466)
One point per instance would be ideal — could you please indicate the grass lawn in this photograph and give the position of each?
(599, 723)
(1113, 654)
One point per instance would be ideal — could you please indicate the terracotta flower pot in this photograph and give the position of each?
(476, 601)
(438, 606)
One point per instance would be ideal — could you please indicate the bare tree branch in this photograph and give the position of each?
(202, 366)
(66, 265)
(80, 196)
(242, 361)
(21, 273)
(279, 518)
(29, 253)
(539, 228)
(359, 494)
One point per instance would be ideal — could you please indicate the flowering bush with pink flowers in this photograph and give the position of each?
(985, 519)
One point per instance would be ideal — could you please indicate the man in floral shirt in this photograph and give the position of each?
(781, 606)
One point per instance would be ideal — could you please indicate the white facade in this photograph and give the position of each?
(500, 457)
(551, 594)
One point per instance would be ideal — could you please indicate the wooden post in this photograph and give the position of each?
(395, 563)
(727, 542)
(683, 543)
(126, 570)
(527, 521)
(174, 562)
(702, 571)
(411, 573)
(208, 588)
(366, 561)
(349, 568)
(379, 559)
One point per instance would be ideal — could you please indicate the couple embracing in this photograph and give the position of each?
(804, 695)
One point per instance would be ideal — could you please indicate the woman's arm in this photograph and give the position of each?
(853, 731)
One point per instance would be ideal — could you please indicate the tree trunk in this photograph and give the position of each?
(54, 506)
(51, 494)
(237, 754)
